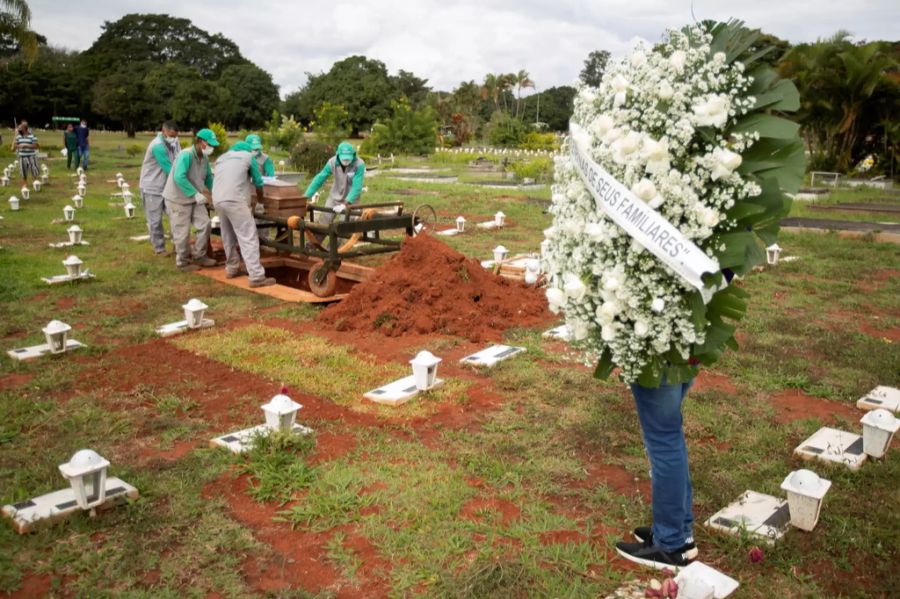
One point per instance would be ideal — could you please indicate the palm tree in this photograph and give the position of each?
(490, 89)
(15, 22)
(522, 80)
(505, 83)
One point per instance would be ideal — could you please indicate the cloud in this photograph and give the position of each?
(449, 42)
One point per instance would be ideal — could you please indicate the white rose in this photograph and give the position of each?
(625, 147)
(644, 189)
(664, 91)
(609, 310)
(638, 59)
(711, 112)
(620, 86)
(612, 135)
(656, 202)
(611, 283)
(658, 305)
(573, 287)
(709, 217)
(677, 60)
(641, 328)
(556, 298)
(595, 231)
(608, 333)
(579, 330)
(726, 162)
(602, 124)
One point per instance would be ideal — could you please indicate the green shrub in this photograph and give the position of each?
(504, 130)
(310, 155)
(222, 136)
(406, 131)
(331, 123)
(539, 169)
(286, 135)
(133, 150)
(540, 141)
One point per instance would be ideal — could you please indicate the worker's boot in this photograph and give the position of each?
(267, 282)
(188, 268)
(233, 275)
(205, 261)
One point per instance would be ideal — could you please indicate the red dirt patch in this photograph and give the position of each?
(33, 585)
(710, 381)
(65, 303)
(428, 288)
(13, 380)
(615, 477)
(794, 404)
(893, 333)
(508, 511)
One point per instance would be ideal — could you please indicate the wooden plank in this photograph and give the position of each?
(281, 292)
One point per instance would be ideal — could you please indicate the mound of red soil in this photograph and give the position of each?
(430, 288)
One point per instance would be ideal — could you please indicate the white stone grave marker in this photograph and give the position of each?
(833, 445)
(760, 515)
(490, 356)
(562, 333)
(887, 398)
(399, 392)
(698, 576)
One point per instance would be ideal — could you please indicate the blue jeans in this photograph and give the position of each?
(659, 411)
(81, 159)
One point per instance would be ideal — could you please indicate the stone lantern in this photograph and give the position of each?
(424, 367)
(500, 253)
(73, 266)
(129, 210)
(499, 219)
(879, 427)
(281, 413)
(772, 253)
(75, 234)
(460, 224)
(68, 213)
(57, 334)
(86, 472)
(78, 201)
(193, 313)
(13, 203)
(805, 493)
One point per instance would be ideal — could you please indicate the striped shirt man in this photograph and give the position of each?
(26, 144)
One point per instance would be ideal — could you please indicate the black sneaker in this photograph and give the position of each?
(647, 554)
(644, 534)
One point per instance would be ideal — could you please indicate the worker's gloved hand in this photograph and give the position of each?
(315, 198)
(200, 198)
(339, 209)
(259, 209)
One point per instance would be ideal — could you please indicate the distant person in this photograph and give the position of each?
(266, 166)
(26, 146)
(82, 133)
(158, 159)
(70, 143)
(236, 174)
(187, 205)
(349, 172)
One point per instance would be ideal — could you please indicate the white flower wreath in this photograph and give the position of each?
(688, 127)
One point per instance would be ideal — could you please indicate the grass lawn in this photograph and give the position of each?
(514, 482)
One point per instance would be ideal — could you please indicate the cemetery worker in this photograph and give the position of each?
(158, 159)
(70, 143)
(236, 174)
(83, 145)
(186, 204)
(349, 171)
(266, 166)
(25, 145)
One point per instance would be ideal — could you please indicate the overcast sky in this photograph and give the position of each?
(448, 41)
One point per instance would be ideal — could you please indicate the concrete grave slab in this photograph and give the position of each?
(399, 392)
(761, 515)
(36, 351)
(721, 584)
(58, 279)
(886, 398)
(59, 505)
(560, 333)
(241, 441)
(449, 232)
(488, 225)
(833, 445)
(67, 244)
(492, 355)
(177, 328)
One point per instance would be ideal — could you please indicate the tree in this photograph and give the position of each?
(15, 30)
(361, 85)
(407, 131)
(594, 67)
(161, 39)
(523, 80)
(330, 124)
(199, 102)
(414, 88)
(125, 98)
(556, 107)
(51, 85)
(253, 95)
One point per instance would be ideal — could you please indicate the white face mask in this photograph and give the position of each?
(346, 161)
(172, 141)
(208, 150)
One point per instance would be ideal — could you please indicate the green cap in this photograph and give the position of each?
(345, 150)
(254, 140)
(208, 136)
